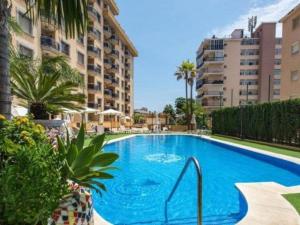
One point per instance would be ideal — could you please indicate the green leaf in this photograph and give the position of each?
(104, 159)
(80, 138)
(72, 154)
(98, 141)
(84, 158)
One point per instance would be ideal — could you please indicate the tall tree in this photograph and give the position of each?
(71, 15)
(185, 71)
(170, 112)
(191, 81)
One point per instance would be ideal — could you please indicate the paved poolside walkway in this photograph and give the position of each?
(267, 206)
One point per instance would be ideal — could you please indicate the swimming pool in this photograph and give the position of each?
(150, 165)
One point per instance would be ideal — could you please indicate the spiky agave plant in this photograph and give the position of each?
(86, 165)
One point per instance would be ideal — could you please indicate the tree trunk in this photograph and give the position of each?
(191, 102)
(5, 92)
(186, 100)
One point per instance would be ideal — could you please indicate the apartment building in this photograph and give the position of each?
(104, 55)
(290, 79)
(239, 70)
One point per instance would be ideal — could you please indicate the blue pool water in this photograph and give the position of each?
(150, 165)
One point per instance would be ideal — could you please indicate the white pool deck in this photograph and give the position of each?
(266, 205)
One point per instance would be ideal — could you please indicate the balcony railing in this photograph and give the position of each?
(203, 82)
(93, 68)
(94, 50)
(94, 87)
(94, 105)
(214, 59)
(127, 77)
(115, 53)
(211, 93)
(49, 42)
(94, 32)
(92, 11)
(114, 39)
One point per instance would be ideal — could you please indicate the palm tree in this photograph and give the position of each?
(191, 80)
(71, 15)
(45, 87)
(185, 71)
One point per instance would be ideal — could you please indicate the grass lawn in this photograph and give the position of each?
(278, 150)
(294, 199)
(108, 137)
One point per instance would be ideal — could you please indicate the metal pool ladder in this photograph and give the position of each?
(199, 189)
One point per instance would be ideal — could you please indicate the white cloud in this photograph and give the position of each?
(269, 13)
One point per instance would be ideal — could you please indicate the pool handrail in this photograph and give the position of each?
(199, 189)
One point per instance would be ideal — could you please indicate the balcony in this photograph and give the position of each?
(92, 12)
(94, 87)
(127, 99)
(107, 31)
(93, 51)
(107, 64)
(48, 24)
(127, 77)
(114, 68)
(213, 60)
(127, 88)
(94, 33)
(211, 94)
(49, 44)
(94, 105)
(107, 47)
(206, 83)
(114, 54)
(114, 39)
(211, 72)
(127, 66)
(107, 79)
(127, 54)
(94, 70)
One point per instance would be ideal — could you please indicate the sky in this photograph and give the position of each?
(166, 32)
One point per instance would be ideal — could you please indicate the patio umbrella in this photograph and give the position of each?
(111, 112)
(19, 111)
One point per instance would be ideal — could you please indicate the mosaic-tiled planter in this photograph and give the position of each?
(74, 210)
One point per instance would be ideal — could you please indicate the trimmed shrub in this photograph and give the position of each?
(277, 122)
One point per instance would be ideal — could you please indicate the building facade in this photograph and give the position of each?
(290, 80)
(239, 70)
(104, 55)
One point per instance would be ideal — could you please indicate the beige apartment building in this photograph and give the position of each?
(104, 55)
(290, 79)
(239, 70)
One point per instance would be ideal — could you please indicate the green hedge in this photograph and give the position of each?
(277, 122)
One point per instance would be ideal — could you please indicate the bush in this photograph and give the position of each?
(31, 185)
(277, 122)
(18, 132)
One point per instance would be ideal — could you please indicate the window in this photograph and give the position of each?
(276, 92)
(24, 51)
(277, 72)
(248, 72)
(65, 48)
(250, 41)
(249, 82)
(296, 22)
(276, 81)
(249, 52)
(25, 23)
(295, 75)
(80, 58)
(249, 62)
(295, 48)
(80, 39)
(277, 51)
(277, 62)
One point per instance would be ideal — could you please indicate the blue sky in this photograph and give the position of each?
(165, 32)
